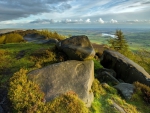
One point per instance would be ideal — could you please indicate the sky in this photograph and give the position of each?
(73, 13)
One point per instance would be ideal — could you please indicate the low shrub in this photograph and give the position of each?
(97, 88)
(109, 88)
(13, 38)
(144, 91)
(66, 103)
(2, 39)
(49, 34)
(25, 95)
(43, 57)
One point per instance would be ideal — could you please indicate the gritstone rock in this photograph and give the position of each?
(66, 76)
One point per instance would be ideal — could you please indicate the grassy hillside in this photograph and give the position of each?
(19, 58)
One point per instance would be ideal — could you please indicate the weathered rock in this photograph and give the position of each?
(125, 89)
(35, 37)
(107, 75)
(126, 69)
(66, 76)
(77, 47)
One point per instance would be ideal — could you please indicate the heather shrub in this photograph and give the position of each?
(143, 90)
(13, 38)
(2, 39)
(97, 88)
(49, 34)
(25, 95)
(66, 103)
(43, 57)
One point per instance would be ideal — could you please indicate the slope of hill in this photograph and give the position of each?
(31, 56)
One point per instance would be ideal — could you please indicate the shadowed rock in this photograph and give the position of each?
(77, 47)
(66, 76)
(125, 89)
(125, 68)
(107, 75)
(51, 41)
(35, 37)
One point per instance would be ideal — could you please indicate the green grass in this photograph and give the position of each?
(9, 62)
(39, 55)
(108, 95)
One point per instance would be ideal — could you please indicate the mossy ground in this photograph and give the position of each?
(106, 95)
(11, 61)
(30, 56)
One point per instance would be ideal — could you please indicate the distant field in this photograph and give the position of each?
(6, 30)
(137, 38)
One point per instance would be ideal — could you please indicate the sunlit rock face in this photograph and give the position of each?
(59, 78)
(77, 47)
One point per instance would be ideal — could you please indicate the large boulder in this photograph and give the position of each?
(66, 76)
(77, 47)
(125, 68)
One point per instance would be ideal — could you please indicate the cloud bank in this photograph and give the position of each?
(74, 12)
(14, 9)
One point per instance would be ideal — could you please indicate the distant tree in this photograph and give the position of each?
(118, 43)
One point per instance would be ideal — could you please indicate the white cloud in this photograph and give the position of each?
(80, 20)
(101, 21)
(68, 20)
(136, 20)
(113, 21)
(88, 20)
(72, 21)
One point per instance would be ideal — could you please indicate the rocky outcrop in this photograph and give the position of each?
(77, 47)
(51, 41)
(35, 37)
(125, 89)
(107, 75)
(66, 76)
(126, 69)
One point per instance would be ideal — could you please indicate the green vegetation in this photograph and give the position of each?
(118, 43)
(49, 34)
(97, 64)
(24, 94)
(11, 38)
(2, 39)
(106, 96)
(20, 55)
(66, 103)
(141, 57)
(17, 36)
(144, 91)
(27, 97)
